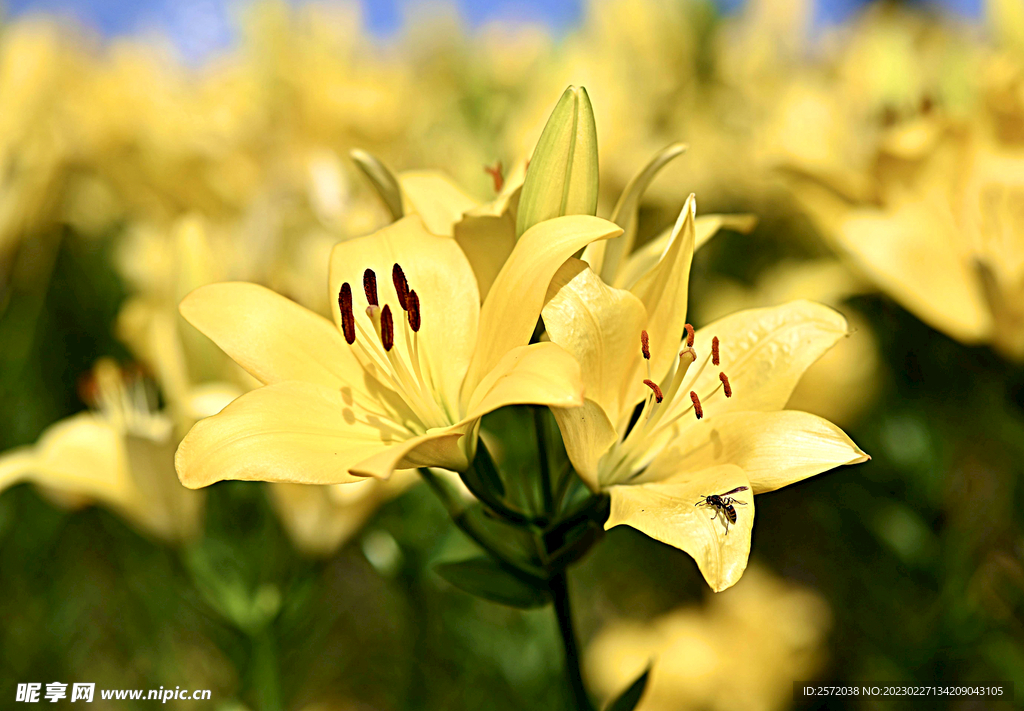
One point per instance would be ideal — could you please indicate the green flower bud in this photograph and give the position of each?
(382, 179)
(562, 177)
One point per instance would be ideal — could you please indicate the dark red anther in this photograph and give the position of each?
(658, 397)
(387, 328)
(370, 287)
(689, 335)
(413, 300)
(401, 286)
(696, 405)
(645, 346)
(348, 319)
(725, 384)
(495, 173)
(714, 350)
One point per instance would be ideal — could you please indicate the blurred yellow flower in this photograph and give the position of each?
(742, 651)
(369, 395)
(121, 455)
(658, 464)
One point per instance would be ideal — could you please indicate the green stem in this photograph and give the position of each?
(560, 593)
(265, 672)
(542, 457)
(465, 524)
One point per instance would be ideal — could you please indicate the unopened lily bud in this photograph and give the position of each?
(382, 179)
(562, 176)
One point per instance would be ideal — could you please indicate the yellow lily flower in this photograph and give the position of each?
(776, 632)
(382, 389)
(121, 455)
(486, 232)
(320, 518)
(658, 466)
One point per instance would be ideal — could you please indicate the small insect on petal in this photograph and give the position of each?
(348, 319)
(495, 173)
(387, 328)
(689, 335)
(696, 405)
(401, 286)
(725, 384)
(370, 287)
(645, 345)
(714, 351)
(657, 391)
(413, 302)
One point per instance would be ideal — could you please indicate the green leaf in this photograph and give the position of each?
(629, 698)
(382, 179)
(485, 578)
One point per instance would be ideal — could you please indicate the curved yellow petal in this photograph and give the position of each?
(318, 519)
(763, 352)
(509, 314)
(437, 448)
(587, 433)
(286, 432)
(775, 449)
(663, 291)
(538, 374)
(607, 258)
(487, 241)
(437, 270)
(600, 326)
(643, 259)
(915, 255)
(666, 512)
(272, 337)
(436, 198)
(83, 456)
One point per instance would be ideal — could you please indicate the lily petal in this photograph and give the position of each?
(663, 291)
(272, 337)
(607, 258)
(509, 315)
(775, 449)
(437, 448)
(438, 272)
(587, 433)
(764, 352)
(537, 374)
(82, 455)
(600, 326)
(666, 512)
(487, 241)
(913, 254)
(643, 259)
(292, 431)
(436, 198)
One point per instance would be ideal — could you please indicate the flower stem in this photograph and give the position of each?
(560, 593)
(542, 457)
(468, 526)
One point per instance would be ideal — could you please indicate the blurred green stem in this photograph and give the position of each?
(542, 456)
(467, 525)
(560, 594)
(265, 672)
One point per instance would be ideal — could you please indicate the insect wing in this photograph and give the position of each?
(737, 489)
